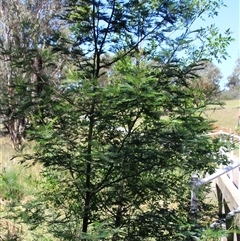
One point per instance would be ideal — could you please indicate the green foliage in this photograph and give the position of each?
(117, 154)
(121, 130)
(16, 185)
(216, 234)
(13, 186)
(212, 235)
(9, 185)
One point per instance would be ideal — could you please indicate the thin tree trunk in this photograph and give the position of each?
(118, 219)
(119, 213)
(16, 128)
(88, 194)
(86, 213)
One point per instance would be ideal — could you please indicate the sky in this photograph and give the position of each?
(228, 17)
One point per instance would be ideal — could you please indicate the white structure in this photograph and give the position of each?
(226, 182)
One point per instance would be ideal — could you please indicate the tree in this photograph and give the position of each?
(209, 80)
(25, 59)
(233, 86)
(234, 78)
(111, 156)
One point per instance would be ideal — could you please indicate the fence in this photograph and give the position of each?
(226, 180)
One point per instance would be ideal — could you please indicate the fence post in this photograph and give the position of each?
(194, 199)
(232, 143)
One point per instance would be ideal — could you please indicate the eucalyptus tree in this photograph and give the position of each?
(112, 157)
(26, 28)
(209, 80)
(234, 78)
(233, 84)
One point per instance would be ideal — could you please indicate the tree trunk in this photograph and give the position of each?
(119, 213)
(88, 194)
(118, 219)
(16, 128)
(87, 201)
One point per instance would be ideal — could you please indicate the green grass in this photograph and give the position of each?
(17, 185)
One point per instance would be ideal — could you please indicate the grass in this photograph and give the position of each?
(225, 117)
(17, 185)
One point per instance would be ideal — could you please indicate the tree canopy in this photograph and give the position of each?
(209, 80)
(234, 78)
(233, 84)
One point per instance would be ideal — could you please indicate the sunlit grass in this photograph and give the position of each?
(225, 117)
(17, 185)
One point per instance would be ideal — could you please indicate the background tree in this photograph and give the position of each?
(111, 156)
(234, 79)
(209, 80)
(206, 82)
(233, 84)
(26, 29)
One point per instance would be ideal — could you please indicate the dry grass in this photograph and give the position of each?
(6, 151)
(227, 116)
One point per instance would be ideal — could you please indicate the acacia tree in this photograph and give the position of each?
(111, 156)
